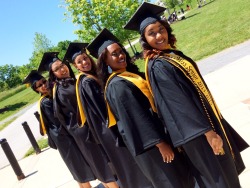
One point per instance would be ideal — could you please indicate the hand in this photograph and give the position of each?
(215, 142)
(166, 152)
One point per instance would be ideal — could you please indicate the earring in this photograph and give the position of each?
(109, 70)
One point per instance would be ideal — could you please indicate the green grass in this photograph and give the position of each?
(17, 102)
(42, 143)
(216, 26)
(8, 93)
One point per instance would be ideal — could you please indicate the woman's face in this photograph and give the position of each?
(41, 86)
(60, 70)
(83, 63)
(157, 36)
(116, 57)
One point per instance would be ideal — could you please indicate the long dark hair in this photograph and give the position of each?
(102, 68)
(53, 78)
(149, 51)
(93, 64)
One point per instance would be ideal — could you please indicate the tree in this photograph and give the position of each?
(93, 16)
(61, 47)
(9, 76)
(171, 4)
(41, 42)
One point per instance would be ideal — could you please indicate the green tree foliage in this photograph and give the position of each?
(9, 76)
(94, 15)
(171, 4)
(12, 76)
(61, 47)
(41, 44)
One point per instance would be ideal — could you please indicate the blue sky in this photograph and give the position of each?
(21, 19)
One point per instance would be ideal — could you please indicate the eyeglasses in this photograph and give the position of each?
(41, 84)
(59, 67)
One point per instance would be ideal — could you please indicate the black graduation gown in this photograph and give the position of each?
(141, 131)
(65, 144)
(125, 167)
(181, 110)
(65, 104)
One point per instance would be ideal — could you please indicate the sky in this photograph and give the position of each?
(21, 19)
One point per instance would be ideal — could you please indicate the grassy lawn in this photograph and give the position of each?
(18, 101)
(216, 26)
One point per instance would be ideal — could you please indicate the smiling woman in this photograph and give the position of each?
(132, 114)
(185, 103)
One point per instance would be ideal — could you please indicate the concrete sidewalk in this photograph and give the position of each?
(45, 170)
(230, 87)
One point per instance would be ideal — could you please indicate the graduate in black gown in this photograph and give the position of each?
(130, 108)
(92, 109)
(185, 104)
(58, 136)
(65, 109)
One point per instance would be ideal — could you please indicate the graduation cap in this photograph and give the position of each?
(74, 49)
(102, 41)
(145, 15)
(47, 60)
(32, 78)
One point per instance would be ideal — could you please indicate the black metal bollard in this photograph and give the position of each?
(31, 137)
(12, 159)
(37, 115)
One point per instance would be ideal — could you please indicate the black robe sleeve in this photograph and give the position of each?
(134, 118)
(50, 122)
(176, 103)
(94, 97)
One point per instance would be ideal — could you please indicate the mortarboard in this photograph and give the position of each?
(102, 41)
(47, 60)
(32, 78)
(74, 49)
(145, 15)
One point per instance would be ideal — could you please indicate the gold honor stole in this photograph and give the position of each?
(139, 82)
(41, 116)
(191, 73)
(79, 102)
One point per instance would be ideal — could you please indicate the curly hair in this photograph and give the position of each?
(148, 51)
(102, 68)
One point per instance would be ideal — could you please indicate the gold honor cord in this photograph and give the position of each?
(54, 91)
(111, 117)
(147, 79)
(41, 118)
(139, 82)
(190, 72)
(80, 107)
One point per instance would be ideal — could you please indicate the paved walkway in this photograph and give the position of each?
(227, 76)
